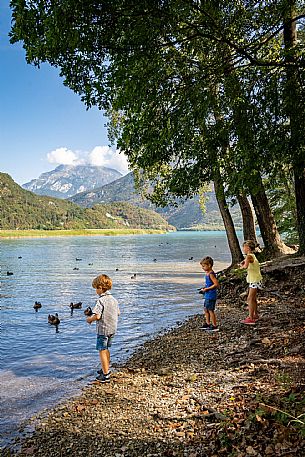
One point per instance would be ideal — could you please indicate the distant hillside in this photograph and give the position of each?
(21, 209)
(122, 189)
(67, 180)
(187, 214)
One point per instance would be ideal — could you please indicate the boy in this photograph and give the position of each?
(105, 313)
(210, 294)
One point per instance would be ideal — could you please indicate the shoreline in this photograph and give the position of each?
(189, 393)
(15, 234)
(12, 234)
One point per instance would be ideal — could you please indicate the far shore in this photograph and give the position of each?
(7, 234)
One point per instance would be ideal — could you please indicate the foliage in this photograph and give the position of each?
(192, 88)
(289, 411)
(282, 201)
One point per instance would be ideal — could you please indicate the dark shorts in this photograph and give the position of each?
(103, 342)
(209, 304)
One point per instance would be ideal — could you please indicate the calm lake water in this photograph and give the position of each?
(40, 367)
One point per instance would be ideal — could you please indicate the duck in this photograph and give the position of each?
(53, 320)
(75, 268)
(9, 273)
(90, 264)
(19, 257)
(191, 258)
(76, 305)
(133, 276)
(37, 305)
(78, 260)
(116, 269)
(88, 311)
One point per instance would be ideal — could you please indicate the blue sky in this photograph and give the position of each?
(42, 122)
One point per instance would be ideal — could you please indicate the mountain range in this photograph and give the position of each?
(68, 180)
(87, 186)
(184, 215)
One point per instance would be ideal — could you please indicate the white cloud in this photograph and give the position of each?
(107, 157)
(62, 156)
(99, 156)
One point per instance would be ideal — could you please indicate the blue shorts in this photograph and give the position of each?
(209, 304)
(103, 342)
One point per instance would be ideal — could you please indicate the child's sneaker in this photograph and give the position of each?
(213, 328)
(205, 327)
(103, 378)
(249, 321)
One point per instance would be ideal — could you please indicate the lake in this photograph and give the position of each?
(40, 367)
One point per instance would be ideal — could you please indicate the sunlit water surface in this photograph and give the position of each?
(39, 366)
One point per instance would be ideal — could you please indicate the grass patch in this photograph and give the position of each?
(81, 232)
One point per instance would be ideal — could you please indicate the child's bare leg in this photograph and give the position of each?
(256, 306)
(252, 303)
(213, 318)
(105, 360)
(207, 316)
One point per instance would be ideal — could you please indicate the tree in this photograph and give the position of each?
(294, 102)
(248, 218)
(152, 65)
(280, 191)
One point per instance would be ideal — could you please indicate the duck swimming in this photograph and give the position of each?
(37, 305)
(76, 305)
(53, 320)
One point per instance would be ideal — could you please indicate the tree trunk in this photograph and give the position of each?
(271, 237)
(296, 113)
(248, 218)
(299, 185)
(234, 246)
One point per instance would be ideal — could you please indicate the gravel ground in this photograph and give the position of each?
(193, 393)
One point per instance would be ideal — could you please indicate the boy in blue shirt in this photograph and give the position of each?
(210, 294)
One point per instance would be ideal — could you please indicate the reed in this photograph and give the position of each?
(80, 232)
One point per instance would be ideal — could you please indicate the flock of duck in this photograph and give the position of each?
(53, 319)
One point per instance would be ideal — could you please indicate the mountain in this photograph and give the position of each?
(122, 189)
(22, 209)
(68, 180)
(187, 214)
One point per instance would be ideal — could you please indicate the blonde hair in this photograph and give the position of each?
(207, 261)
(102, 282)
(251, 244)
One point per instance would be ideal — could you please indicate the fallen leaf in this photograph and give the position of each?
(266, 341)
